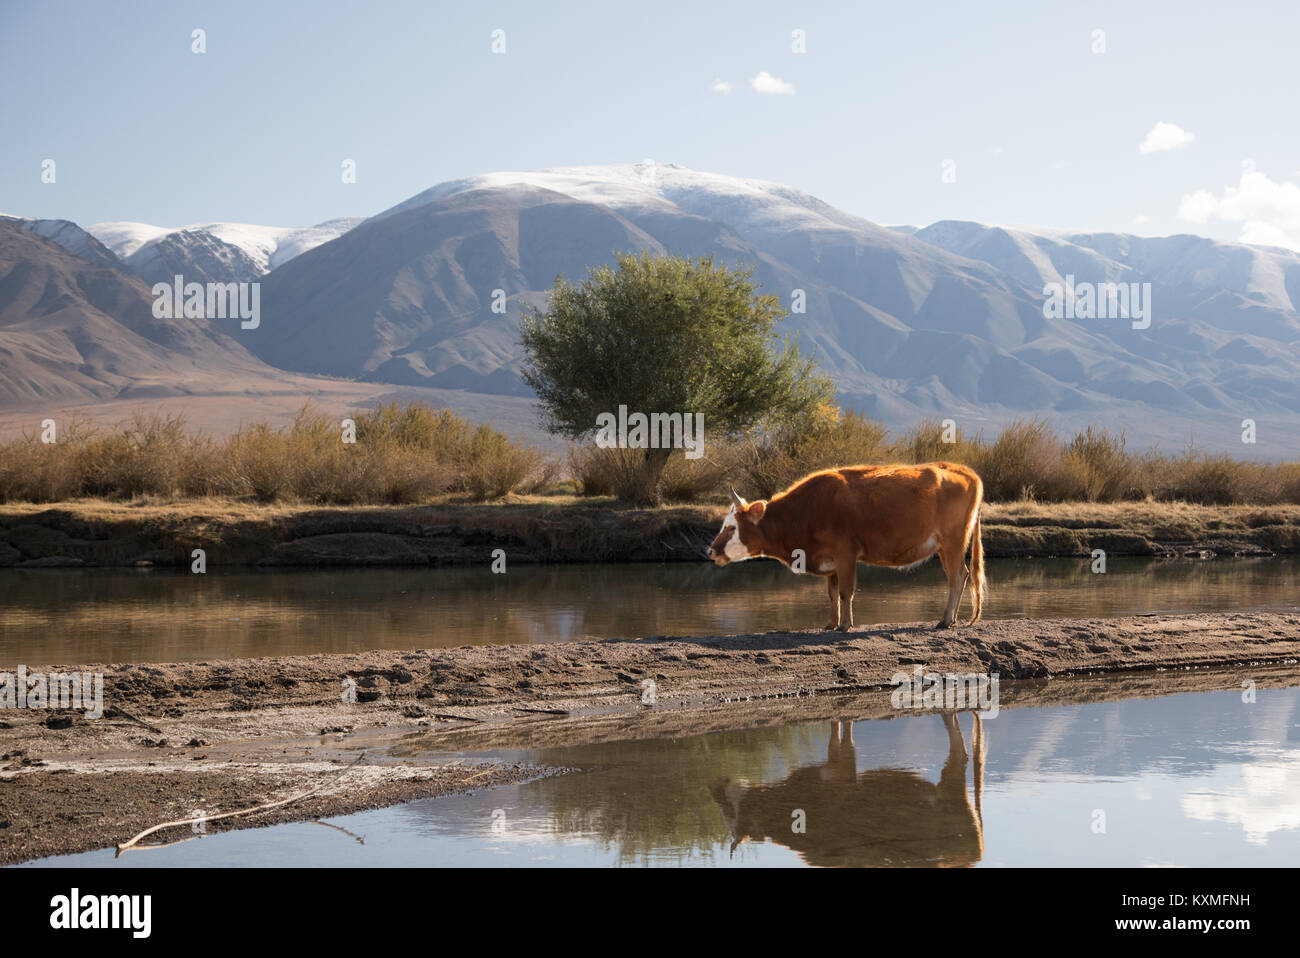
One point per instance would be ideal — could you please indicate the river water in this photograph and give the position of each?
(1199, 778)
(112, 615)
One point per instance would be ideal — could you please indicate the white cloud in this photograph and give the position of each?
(1268, 234)
(721, 86)
(769, 85)
(1261, 801)
(1165, 136)
(1269, 212)
(1198, 207)
(1141, 219)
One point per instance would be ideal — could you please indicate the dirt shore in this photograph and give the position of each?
(100, 533)
(224, 735)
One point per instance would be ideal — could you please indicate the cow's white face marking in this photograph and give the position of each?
(731, 812)
(727, 547)
(734, 549)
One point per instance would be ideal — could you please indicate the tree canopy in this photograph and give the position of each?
(666, 334)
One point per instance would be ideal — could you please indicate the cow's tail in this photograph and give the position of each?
(978, 583)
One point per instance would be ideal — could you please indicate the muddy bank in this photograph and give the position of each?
(104, 534)
(294, 696)
(94, 533)
(65, 806)
(586, 728)
(237, 733)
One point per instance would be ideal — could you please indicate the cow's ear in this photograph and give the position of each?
(756, 510)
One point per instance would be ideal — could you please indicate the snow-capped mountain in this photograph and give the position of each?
(422, 315)
(949, 321)
(67, 234)
(942, 321)
(1260, 274)
(1223, 301)
(747, 206)
(213, 251)
(75, 328)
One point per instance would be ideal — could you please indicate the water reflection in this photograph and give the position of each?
(49, 616)
(1191, 779)
(833, 816)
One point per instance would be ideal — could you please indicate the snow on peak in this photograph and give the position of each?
(125, 238)
(266, 246)
(67, 234)
(647, 186)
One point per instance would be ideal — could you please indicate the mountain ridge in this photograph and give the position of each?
(946, 320)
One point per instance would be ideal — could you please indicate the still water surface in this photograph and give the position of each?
(1199, 778)
(60, 616)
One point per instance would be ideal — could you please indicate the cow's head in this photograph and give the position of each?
(730, 797)
(740, 537)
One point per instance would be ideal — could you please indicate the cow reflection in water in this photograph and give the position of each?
(882, 817)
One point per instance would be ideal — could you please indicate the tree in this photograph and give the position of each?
(664, 334)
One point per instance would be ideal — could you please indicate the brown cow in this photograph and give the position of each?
(880, 817)
(881, 515)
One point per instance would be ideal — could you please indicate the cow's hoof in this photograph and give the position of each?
(944, 624)
(829, 627)
(843, 627)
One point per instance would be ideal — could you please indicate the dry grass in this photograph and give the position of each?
(400, 455)
(1026, 461)
(1147, 515)
(417, 454)
(617, 472)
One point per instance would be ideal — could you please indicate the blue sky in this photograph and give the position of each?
(1042, 130)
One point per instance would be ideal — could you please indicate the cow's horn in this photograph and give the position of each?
(736, 500)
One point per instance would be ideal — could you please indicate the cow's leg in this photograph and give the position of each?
(827, 771)
(846, 571)
(952, 779)
(955, 566)
(846, 759)
(833, 590)
(956, 742)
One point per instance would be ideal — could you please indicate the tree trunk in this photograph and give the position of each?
(650, 476)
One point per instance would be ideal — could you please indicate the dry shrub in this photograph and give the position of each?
(592, 469)
(1096, 466)
(690, 480)
(1214, 480)
(1288, 482)
(149, 455)
(494, 466)
(619, 472)
(609, 472)
(39, 472)
(455, 454)
(406, 454)
(255, 465)
(771, 461)
(402, 455)
(545, 479)
(1024, 462)
(1218, 479)
(928, 441)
